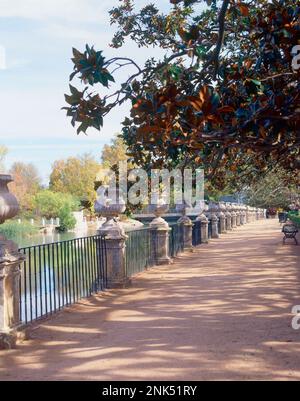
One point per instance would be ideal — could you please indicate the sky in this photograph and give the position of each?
(36, 40)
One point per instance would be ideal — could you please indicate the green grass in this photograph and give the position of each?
(12, 229)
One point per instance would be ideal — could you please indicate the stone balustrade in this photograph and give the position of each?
(223, 218)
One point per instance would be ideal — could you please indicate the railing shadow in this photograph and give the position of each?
(223, 312)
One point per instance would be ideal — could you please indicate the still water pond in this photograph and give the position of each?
(41, 239)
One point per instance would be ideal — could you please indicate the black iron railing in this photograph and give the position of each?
(176, 239)
(59, 274)
(138, 251)
(196, 233)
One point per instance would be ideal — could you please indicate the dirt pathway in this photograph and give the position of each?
(223, 312)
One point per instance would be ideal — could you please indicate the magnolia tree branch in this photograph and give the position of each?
(221, 21)
(140, 72)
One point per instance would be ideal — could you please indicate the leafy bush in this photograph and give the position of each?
(295, 218)
(49, 204)
(12, 229)
(67, 220)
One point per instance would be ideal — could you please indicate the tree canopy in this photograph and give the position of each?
(26, 184)
(225, 95)
(274, 190)
(76, 176)
(51, 204)
(114, 153)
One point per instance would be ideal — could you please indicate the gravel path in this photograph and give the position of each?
(223, 312)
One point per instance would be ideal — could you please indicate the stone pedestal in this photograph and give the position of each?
(248, 214)
(187, 233)
(116, 271)
(115, 250)
(10, 261)
(204, 228)
(228, 218)
(233, 218)
(222, 217)
(214, 226)
(238, 216)
(160, 232)
(243, 215)
(213, 209)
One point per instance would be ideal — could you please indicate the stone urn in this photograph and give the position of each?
(110, 209)
(202, 213)
(182, 209)
(9, 206)
(160, 231)
(213, 208)
(158, 207)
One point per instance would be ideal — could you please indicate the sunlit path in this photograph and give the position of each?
(223, 312)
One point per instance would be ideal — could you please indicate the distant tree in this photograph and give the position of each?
(114, 153)
(275, 190)
(3, 152)
(26, 184)
(76, 176)
(49, 204)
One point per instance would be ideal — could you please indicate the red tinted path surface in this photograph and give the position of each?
(223, 312)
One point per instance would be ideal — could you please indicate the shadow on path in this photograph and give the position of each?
(223, 312)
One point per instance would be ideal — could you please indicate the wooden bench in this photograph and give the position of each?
(290, 231)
